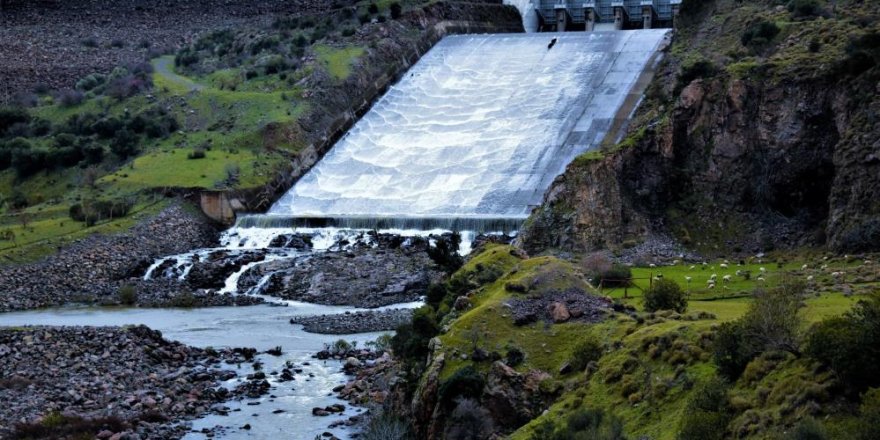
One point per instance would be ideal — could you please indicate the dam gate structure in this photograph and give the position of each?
(590, 15)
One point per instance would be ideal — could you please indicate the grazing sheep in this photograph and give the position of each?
(739, 273)
(652, 265)
(867, 262)
(723, 265)
(824, 266)
(761, 279)
(688, 279)
(692, 267)
(705, 263)
(810, 278)
(726, 278)
(762, 269)
(836, 274)
(711, 286)
(804, 267)
(714, 275)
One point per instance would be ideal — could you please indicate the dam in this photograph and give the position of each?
(475, 132)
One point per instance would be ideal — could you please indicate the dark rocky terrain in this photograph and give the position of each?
(110, 381)
(55, 43)
(94, 269)
(780, 156)
(354, 322)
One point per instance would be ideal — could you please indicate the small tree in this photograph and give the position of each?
(665, 294)
(590, 349)
(127, 295)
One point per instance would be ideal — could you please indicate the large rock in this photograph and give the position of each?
(559, 312)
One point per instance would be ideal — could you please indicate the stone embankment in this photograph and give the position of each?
(354, 322)
(108, 382)
(93, 269)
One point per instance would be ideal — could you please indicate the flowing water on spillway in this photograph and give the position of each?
(468, 141)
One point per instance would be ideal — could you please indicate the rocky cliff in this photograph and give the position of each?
(739, 146)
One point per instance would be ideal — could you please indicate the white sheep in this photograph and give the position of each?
(739, 273)
(761, 279)
(836, 274)
(652, 265)
(714, 275)
(804, 267)
(692, 267)
(867, 262)
(824, 266)
(723, 265)
(705, 263)
(810, 278)
(688, 279)
(762, 269)
(711, 286)
(726, 278)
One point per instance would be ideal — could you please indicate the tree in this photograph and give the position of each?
(665, 294)
(124, 144)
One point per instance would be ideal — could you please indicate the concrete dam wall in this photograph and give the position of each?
(479, 127)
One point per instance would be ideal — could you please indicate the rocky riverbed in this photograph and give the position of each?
(108, 382)
(94, 269)
(354, 322)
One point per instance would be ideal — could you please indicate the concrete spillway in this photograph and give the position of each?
(479, 127)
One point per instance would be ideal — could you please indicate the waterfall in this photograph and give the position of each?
(478, 128)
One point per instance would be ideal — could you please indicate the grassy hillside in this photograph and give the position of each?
(227, 112)
(651, 368)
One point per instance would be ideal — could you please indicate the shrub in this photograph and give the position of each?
(445, 253)
(69, 98)
(373, 9)
(92, 211)
(863, 53)
(618, 276)
(759, 34)
(469, 420)
(124, 144)
(514, 357)
(386, 427)
(186, 57)
(695, 69)
(106, 128)
(771, 323)
(10, 116)
(90, 82)
(466, 382)
(436, 293)
(588, 350)
(665, 294)
(868, 427)
(807, 429)
(706, 413)
(89, 42)
(850, 345)
(804, 8)
(29, 161)
(196, 153)
(364, 18)
(185, 300)
(396, 10)
(127, 295)
(347, 32)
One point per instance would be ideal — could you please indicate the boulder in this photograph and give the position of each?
(559, 312)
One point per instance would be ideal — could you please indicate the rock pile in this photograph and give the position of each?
(130, 374)
(558, 307)
(354, 322)
(94, 269)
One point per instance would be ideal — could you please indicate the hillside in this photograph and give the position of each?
(241, 110)
(758, 133)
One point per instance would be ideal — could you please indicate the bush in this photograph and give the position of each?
(124, 144)
(770, 324)
(469, 420)
(807, 429)
(196, 153)
(106, 128)
(28, 161)
(514, 357)
(69, 98)
(583, 424)
(10, 116)
(706, 413)
(868, 427)
(850, 345)
(466, 382)
(586, 351)
(127, 295)
(373, 9)
(387, 427)
(618, 276)
(396, 10)
(695, 69)
(665, 294)
(92, 211)
(347, 32)
(804, 8)
(90, 82)
(445, 253)
(186, 57)
(759, 34)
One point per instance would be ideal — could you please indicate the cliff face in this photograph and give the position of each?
(779, 149)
